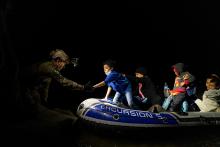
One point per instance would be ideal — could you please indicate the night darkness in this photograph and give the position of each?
(154, 34)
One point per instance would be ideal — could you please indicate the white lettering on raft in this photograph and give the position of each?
(128, 112)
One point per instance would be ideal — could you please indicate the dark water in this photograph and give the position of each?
(197, 136)
(84, 135)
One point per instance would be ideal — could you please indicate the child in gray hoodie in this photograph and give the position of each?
(211, 97)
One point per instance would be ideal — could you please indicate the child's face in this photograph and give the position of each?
(107, 68)
(176, 71)
(139, 75)
(210, 85)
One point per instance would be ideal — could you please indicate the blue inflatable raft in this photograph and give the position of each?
(103, 112)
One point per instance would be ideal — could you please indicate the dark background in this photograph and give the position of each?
(155, 34)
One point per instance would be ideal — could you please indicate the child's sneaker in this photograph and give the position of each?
(144, 100)
(139, 98)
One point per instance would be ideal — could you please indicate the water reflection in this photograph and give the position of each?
(198, 136)
(83, 135)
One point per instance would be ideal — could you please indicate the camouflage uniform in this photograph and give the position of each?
(40, 79)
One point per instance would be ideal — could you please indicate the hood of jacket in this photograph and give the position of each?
(180, 67)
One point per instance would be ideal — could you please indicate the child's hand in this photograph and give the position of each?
(186, 76)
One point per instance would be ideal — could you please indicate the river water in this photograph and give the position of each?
(168, 137)
(86, 135)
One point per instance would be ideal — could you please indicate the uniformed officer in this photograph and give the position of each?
(38, 82)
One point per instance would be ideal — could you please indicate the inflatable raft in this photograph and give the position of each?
(102, 112)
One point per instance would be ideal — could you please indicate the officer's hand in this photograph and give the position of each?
(88, 87)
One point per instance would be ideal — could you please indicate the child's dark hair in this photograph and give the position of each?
(111, 63)
(214, 78)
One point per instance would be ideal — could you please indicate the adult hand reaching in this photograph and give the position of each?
(89, 87)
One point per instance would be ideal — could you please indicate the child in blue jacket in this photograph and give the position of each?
(117, 82)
